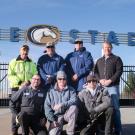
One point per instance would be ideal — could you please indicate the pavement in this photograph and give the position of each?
(127, 117)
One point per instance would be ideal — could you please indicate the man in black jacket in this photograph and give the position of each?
(31, 101)
(108, 70)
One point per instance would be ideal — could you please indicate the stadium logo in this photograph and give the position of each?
(43, 34)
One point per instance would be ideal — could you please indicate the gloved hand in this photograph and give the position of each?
(92, 113)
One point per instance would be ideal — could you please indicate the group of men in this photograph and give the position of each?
(70, 90)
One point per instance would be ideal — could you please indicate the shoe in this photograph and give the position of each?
(14, 133)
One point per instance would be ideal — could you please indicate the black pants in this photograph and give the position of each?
(31, 121)
(14, 125)
(106, 119)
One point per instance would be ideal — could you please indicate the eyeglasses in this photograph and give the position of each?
(93, 81)
(61, 79)
(50, 47)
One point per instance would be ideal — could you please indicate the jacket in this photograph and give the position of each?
(110, 68)
(49, 66)
(67, 97)
(20, 71)
(80, 63)
(99, 102)
(29, 100)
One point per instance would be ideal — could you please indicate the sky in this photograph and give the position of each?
(83, 15)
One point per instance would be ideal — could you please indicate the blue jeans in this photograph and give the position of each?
(114, 93)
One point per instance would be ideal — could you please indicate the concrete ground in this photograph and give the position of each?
(127, 115)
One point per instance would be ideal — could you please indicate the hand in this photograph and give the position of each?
(49, 78)
(107, 82)
(102, 81)
(43, 122)
(24, 84)
(54, 124)
(57, 107)
(92, 112)
(75, 77)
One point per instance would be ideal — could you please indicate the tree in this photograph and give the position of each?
(130, 84)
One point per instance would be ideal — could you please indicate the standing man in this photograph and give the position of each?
(48, 65)
(60, 106)
(78, 65)
(20, 72)
(108, 70)
(31, 101)
(96, 104)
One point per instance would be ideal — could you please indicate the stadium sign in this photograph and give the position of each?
(42, 34)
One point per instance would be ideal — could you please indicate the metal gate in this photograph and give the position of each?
(127, 86)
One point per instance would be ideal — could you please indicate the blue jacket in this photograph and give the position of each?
(80, 63)
(49, 66)
(67, 97)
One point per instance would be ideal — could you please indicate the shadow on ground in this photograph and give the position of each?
(128, 129)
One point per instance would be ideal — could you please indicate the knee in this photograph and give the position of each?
(110, 111)
(73, 109)
(21, 117)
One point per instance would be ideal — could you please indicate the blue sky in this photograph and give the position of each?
(84, 15)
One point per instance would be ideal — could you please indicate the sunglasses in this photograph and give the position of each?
(50, 47)
(61, 79)
(91, 81)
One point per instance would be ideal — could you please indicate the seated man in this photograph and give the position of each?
(60, 106)
(31, 101)
(95, 104)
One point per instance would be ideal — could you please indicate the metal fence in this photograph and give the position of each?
(4, 85)
(127, 86)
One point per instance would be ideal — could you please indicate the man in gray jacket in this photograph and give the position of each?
(96, 104)
(60, 106)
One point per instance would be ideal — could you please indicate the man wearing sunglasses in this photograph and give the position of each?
(48, 65)
(20, 72)
(60, 106)
(95, 103)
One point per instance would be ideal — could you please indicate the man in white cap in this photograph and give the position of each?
(48, 65)
(60, 106)
(78, 65)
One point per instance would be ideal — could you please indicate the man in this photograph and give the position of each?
(78, 65)
(48, 65)
(20, 72)
(60, 106)
(31, 101)
(95, 104)
(108, 70)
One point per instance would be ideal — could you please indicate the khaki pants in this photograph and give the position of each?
(70, 116)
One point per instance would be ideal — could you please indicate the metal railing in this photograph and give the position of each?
(127, 85)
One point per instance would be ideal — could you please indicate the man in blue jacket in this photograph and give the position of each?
(78, 65)
(48, 65)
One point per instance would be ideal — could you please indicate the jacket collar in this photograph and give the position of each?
(81, 50)
(109, 55)
(19, 58)
(56, 87)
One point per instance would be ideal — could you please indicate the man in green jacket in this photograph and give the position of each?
(20, 72)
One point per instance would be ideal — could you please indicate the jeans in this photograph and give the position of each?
(114, 93)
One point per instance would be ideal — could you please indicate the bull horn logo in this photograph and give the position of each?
(43, 34)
